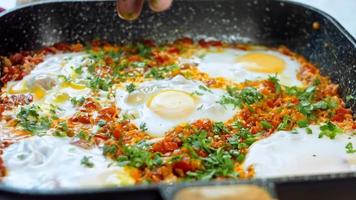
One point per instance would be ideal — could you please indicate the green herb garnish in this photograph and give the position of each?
(330, 130)
(130, 87)
(349, 148)
(85, 161)
(30, 120)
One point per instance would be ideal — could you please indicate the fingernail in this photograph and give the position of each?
(160, 5)
(129, 9)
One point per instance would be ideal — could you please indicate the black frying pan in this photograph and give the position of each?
(264, 22)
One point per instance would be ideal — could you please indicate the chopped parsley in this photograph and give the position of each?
(198, 141)
(285, 123)
(109, 149)
(266, 125)
(303, 123)
(143, 50)
(309, 130)
(349, 98)
(219, 128)
(349, 148)
(30, 120)
(276, 84)
(160, 72)
(79, 70)
(218, 163)
(53, 110)
(85, 161)
(97, 83)
(204, 88)
(83, 135)
(130, 87)
(330, 130)
(197, 93)
(101, 123)
(61, 129)
(143, 127)
(248, 95)
(137, 157)
(77, 101)
(138, 64)
(128, 117)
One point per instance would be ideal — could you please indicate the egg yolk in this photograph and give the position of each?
(172, 104)
(22, 88)
(19, 88)
(61, 98)
(38, 92)
(75, 86)
(135, 99)
(262, 63)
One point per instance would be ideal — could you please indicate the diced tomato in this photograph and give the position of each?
(202, 153)
(270, 85)
(12, 73)
(295, 100)
(165, 146)
(107, 113)
(340, 114)
(47, 50)
(270, 103)
(117, 131)
(134, 58)
(91, 105)
(101, 137)
(255, 129)
(206, 44)
(173, 50)
(95, 43)
(135, 174)
(62, 46)
(83, 118)
(203, 124)
(183, 165)
(108, 60)
(77, 47)
(245, 114)
(149, 43)
(185, 40)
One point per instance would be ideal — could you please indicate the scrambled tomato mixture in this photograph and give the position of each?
(202, 150)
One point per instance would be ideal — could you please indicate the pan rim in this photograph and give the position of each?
(153, 187)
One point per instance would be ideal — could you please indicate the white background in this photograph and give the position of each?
(343, 10)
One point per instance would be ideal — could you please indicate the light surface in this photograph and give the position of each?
(292, 154)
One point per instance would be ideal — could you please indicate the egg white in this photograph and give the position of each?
(46, 82)
(206, 106)
(223, 63)
(51, 162)
(294, 154)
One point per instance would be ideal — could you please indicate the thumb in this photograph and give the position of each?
(129, 9)
(160, 5)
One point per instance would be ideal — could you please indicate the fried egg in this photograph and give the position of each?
(47, 82)
(160, 105)
(240, 66)
(292, 154)
(52, 162)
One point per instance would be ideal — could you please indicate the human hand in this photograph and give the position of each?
(131, 9)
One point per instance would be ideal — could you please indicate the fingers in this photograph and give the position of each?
(129, 9)
(160, 5)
